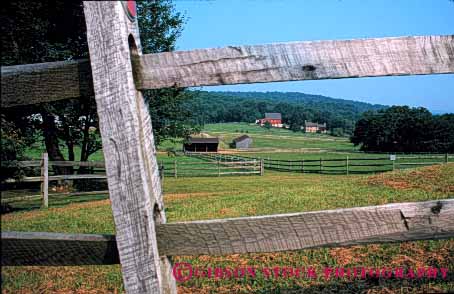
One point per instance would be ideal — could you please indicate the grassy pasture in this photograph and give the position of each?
(276, 138)
(189, 198)
(206, 198)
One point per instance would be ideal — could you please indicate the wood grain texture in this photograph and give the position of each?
(342, 227)
(45, 82)
(36, 248)
(129, 151)
(297, 61)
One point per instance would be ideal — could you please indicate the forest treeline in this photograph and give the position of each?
(405, 129)
(217, 107)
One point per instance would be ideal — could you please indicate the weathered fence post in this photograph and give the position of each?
(262, 167)
(45, 180)
(446, 158)
(128, 145)
(219, 168)
(321, 165)
(347, 163)
(175, 169)
(302, 166)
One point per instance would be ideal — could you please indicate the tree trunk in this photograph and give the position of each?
(51, 141)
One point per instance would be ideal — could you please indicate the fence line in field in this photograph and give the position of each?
(347, 165)
(212, 168)
(175, 169)
(143, 239)
(45, 178)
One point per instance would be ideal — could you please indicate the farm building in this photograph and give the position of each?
(311, 127)
(201, 145)
(242, 142)
(274, 118)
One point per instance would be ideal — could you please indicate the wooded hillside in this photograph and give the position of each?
(340, 115)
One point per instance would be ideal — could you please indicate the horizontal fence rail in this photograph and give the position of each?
(296, 61)
(346, 165)
(331, 228)
(45, 178)
(217, 164)
(211, 168)
(44, 82)
(36, 248)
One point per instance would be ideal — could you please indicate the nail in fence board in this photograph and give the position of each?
(129, 151)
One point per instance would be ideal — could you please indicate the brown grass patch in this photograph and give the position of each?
(436, 178)
(346, 256)
(179, 196)
(42, 213)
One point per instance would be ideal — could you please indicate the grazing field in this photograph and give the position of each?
(275, 138)
(207, 198)
(189, 198)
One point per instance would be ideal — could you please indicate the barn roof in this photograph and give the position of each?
(192, 140)
(273, 115)
(241, 138)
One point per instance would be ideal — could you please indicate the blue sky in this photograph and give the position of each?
(248, 22)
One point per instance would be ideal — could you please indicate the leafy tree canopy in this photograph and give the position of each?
(404, 129)
(52, 31)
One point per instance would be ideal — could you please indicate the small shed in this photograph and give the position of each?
(242, 142)
(201, 145)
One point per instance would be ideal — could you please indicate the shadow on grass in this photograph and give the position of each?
(54, 201)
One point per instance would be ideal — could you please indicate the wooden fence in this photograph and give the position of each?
(346, 165)
(143, 240)
(175, 169)
(213, 168)
(45, 166)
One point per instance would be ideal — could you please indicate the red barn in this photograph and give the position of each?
(275, 119)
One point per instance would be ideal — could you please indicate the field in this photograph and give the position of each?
(189, 199)
(275, 139)
(208, 198)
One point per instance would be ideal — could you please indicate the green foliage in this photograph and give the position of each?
(267, 125)
(337, 132)
(160, 26)
(405, 129)
(52, 31)
(12, 150)
(216, 107)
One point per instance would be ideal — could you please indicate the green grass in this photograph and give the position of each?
(276, 138)
(189, 198)
(37, 149)
(206, 198)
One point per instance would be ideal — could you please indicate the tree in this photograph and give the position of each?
(160, 26)
(51, 31)
(404, 129)
(12, 150)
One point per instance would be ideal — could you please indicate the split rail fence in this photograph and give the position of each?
(212, 168)
(96, 168)
(174, 169)
(347, 165)
(116, 73)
